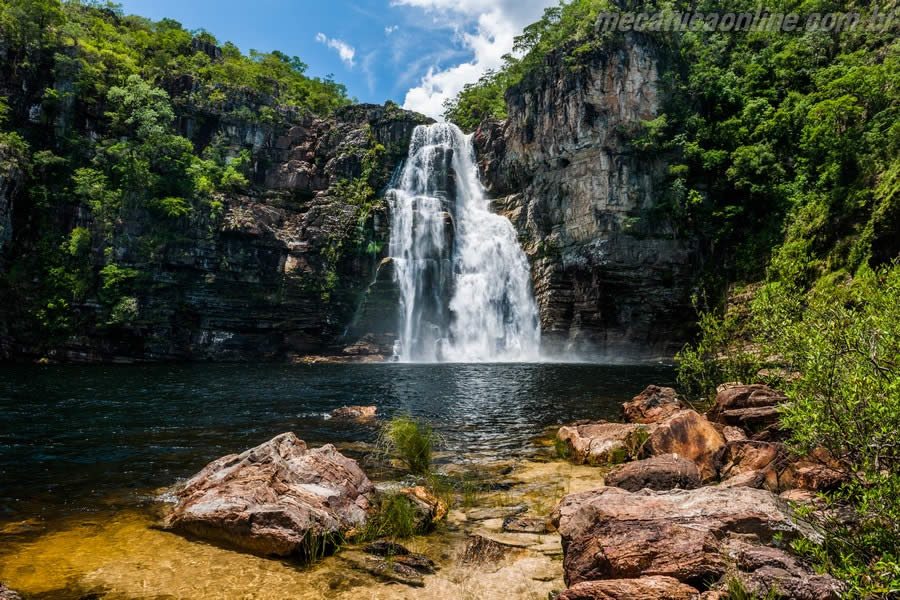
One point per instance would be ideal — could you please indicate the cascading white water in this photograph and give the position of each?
(464, 281)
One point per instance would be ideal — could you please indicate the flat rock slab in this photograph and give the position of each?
(645, 588)
(278, 498)
(610, 533)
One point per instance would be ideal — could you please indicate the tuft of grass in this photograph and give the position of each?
(737, 591)
(411, 441)
(395, 519)
(635, 443)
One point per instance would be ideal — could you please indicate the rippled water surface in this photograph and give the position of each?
(72, 437)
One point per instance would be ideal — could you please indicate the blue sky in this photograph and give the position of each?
(415, 52)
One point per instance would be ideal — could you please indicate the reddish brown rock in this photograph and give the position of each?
(691, 436)
(819, 478)
(752, 479)
(653, 404)
(754, 418)
(740, 397)
(733, 434)
(270, 499)
(664, 472)
(600, 443)
(354, 413)
(762, 568)
(645, 588)
(747, 455)
(609, 533)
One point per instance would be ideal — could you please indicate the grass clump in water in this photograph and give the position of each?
(395, 519)
(410, 441)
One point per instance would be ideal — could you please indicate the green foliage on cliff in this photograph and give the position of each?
(92, 109)
(774, 139)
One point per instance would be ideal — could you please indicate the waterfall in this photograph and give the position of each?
(464, 282)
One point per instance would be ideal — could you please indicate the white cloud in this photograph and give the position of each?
(485, 28)
(391, 29)
(344, 50)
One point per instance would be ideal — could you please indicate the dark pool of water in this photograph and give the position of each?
(71, 437)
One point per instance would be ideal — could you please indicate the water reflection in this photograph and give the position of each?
(72, 436)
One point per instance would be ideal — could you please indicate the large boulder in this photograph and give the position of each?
(750, 406)
(663, 472)
(653, 404)
(691, 436)
(601, 443)
(645, 588)
(279, 498)
(610, 533)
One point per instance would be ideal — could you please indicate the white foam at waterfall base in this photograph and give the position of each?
(464, 281)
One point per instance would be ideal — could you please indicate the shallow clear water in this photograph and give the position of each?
(72, 437)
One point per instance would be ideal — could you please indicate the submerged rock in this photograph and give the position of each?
(279, 498)
(8, 594)
(610, 533)
(481, 550)
(653, 404)
(522, 524)
(600, 443)
(663, 472)
(390, 569)
(645, 588)
(354, 413)
(691, 436)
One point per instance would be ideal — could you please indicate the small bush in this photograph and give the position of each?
(410, 441)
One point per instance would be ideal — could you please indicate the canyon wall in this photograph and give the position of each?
(612, 280)
(275, 271)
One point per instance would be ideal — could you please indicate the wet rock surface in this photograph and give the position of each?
(354, 413)
(279, 498)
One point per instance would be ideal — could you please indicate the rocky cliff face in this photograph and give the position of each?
(276, 271)
(610, 280)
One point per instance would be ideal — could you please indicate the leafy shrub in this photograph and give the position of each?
(840, 344)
